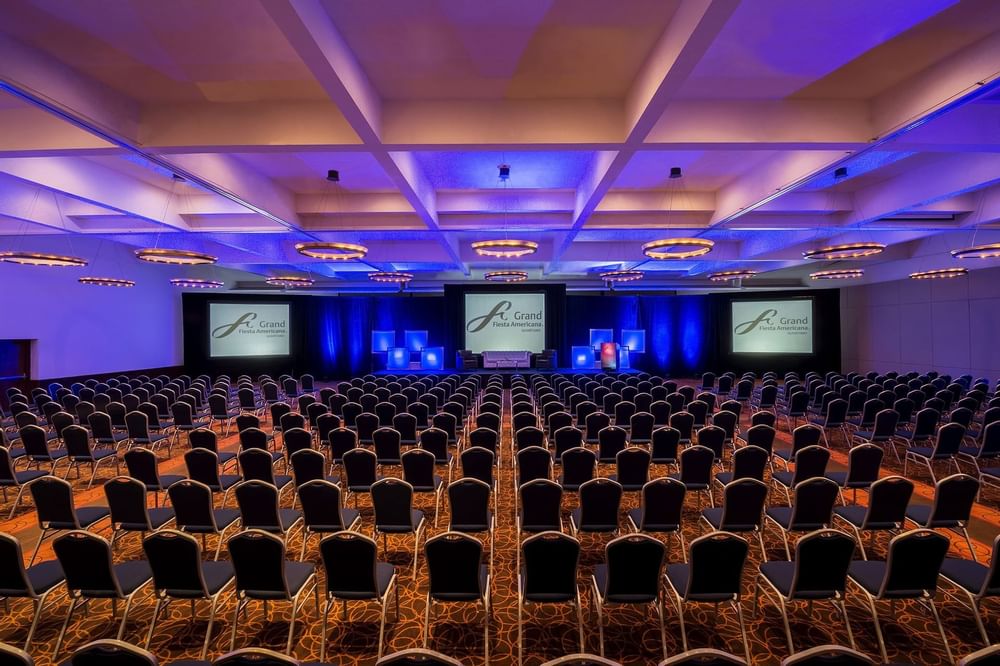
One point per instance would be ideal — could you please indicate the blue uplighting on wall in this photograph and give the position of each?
(634, 339)
(415, 340)
(382, 341)
(693, 333)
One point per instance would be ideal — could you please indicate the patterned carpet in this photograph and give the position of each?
(631, 636)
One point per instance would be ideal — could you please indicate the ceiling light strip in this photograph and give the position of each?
(939, 274)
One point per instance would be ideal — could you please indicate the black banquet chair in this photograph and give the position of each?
(180, 574)
(713, 574)
(457, 574)
(910, 572)
(35, 583)
(354, 573)
(109, 652)
(630, 575)
(263, 574)
(548, 575)
(91, 574)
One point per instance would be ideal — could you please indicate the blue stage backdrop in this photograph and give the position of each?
(331, 336)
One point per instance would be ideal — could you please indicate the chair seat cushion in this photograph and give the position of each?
(426, 488)
(216, 575)
(921, 451)
(921, 514)
(29, 475)
(965, 573)
(868, 574)
(784, 478)
(131, 576)
(678, 575)
(43, 577)
(474, 527)
(227, 481)
(690, 485)
(601, 581)
(855, 515)
(383, 576)
(86, 515)
(157, 518)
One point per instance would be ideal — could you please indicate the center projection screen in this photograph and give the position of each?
(772, 327)
(248, 329)
(505, 322)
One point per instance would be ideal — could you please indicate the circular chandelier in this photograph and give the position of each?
(40, 259)
(390, 276)
(504, 249)
(725, 276)
(673, 248)
(987, 251)
(939, 273)
(176, 257)
(506, 276)
(106, 282)
(842, 274)
(845, 251)
(197, 283)
(289, 281)
(621, 276)
(332, 251)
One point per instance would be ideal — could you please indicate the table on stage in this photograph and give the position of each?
(506, 359)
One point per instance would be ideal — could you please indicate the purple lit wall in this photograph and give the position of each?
(81, 329)
(945, 325)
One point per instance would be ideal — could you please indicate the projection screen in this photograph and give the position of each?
(248, 329)
(505, 322)
(772, 327)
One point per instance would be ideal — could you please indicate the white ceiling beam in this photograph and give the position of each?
(762, 125)
(687, 37)
(97, 184)
(636, 201)
(26, 131)
(250, 127)
(311, 31)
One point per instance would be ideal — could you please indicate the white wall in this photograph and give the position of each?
(951, 325)
(80, 329)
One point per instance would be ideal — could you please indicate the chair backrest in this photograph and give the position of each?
(864, 462)
(256, 465)
(913, 565)
(53, 499)
(477, 463)
(350, 561)
(258, 504)
(887, 500)
(632, 465)
(175, 559)
(750, 462)
(453, 566)
(662, 503)
(716, 562)
(550, 561)
(533, 462)
(13, 577)
(743, 504)
(393, 502)
(308, 465)
(822, 559)
(85, 559)
(813, 503)
(108, 652)
(192, 502)
(634, 562)
(204, 438)
(665, 442)
(540, 501)
(954, 497)
(696, 464)
(417, 657)
(810, 463)
(600, 501)
(127, 501)
(142, 465)
(805, 436)
(949, 439)
(829, 655)
(469, 500)
(714, 438)
(259, 563)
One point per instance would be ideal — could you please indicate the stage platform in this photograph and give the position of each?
(505, 371)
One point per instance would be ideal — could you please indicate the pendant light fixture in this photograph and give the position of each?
(173, 256)
(726, 276)
(940, 274)
(506, 248)
(506, 276)
(197, 283)
(44, 259)
(393, 277)
(844, 251)
(839, 274)
(676, 248)
(291, 281)
(332, 251)
(621, 276)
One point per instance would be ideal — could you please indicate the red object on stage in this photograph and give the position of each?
(609, 356)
